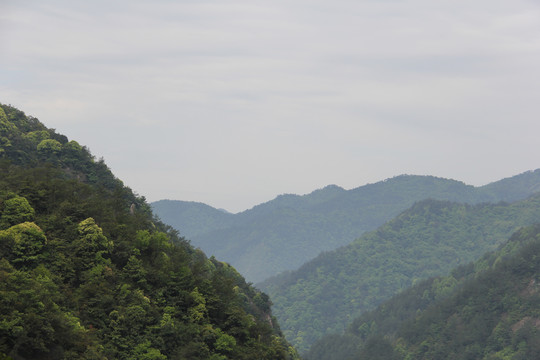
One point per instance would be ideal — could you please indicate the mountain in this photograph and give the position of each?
(489, 309)
(87, 271)
(284, 233)
(196, 217)
(429, 239)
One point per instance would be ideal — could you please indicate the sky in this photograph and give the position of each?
(232, 103)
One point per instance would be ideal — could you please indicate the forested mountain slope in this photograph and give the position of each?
(196, 218)
(87, 272)
(486, 310)
(429, 239)
(284, 233)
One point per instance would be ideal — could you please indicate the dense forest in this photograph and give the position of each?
(87, 271)
(429, 239)
(486, 310)
(290, 230)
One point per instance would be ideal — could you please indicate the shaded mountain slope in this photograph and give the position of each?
(486, 310)
(284, 233)
(87, 272)
(196, 217)
(429, 239)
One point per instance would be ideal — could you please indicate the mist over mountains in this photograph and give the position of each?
(429, 239)
(404, 229)
(289, 230)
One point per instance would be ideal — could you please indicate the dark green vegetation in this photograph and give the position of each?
(489, 310)
(429, 239)
(284, 233)
(86, 272)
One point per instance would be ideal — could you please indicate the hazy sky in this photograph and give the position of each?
(234, 102)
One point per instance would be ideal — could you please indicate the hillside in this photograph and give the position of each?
(429, 239)
(284, 233)
(486, 310)
(87, 272)
(196, 218)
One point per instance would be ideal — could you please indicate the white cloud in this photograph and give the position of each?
(234, 102)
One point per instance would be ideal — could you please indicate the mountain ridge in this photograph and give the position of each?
(322, 220)
(428, 239)
(88, 272)
(482, 310)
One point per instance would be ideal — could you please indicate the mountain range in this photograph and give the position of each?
(284, 233)
(428, 239)
(87, 271)
(487, 310)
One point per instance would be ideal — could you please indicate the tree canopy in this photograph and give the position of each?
(487, 310)
(429, 239)
(87, 271)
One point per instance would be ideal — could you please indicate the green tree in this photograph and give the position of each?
(3, 117)
(49, 147)
(144, 351)
(6, 126)
(73, 147)
(152, 244)
(36, 137)
(16, 210)
(4, 144)
(198, 313)
(22, 243)
(32, 325)
(91, 247)
(134, 271)
(224, 342)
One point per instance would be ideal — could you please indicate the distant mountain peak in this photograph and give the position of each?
(331, 187)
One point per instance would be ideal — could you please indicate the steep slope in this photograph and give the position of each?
(86, 272)
(486, 310)
(511, 189)
(426, 240)
(193, 218)
(284, 233)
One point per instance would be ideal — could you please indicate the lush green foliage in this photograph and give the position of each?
(86, 272)
(286, 232)
(486, 310)
(429, 239)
